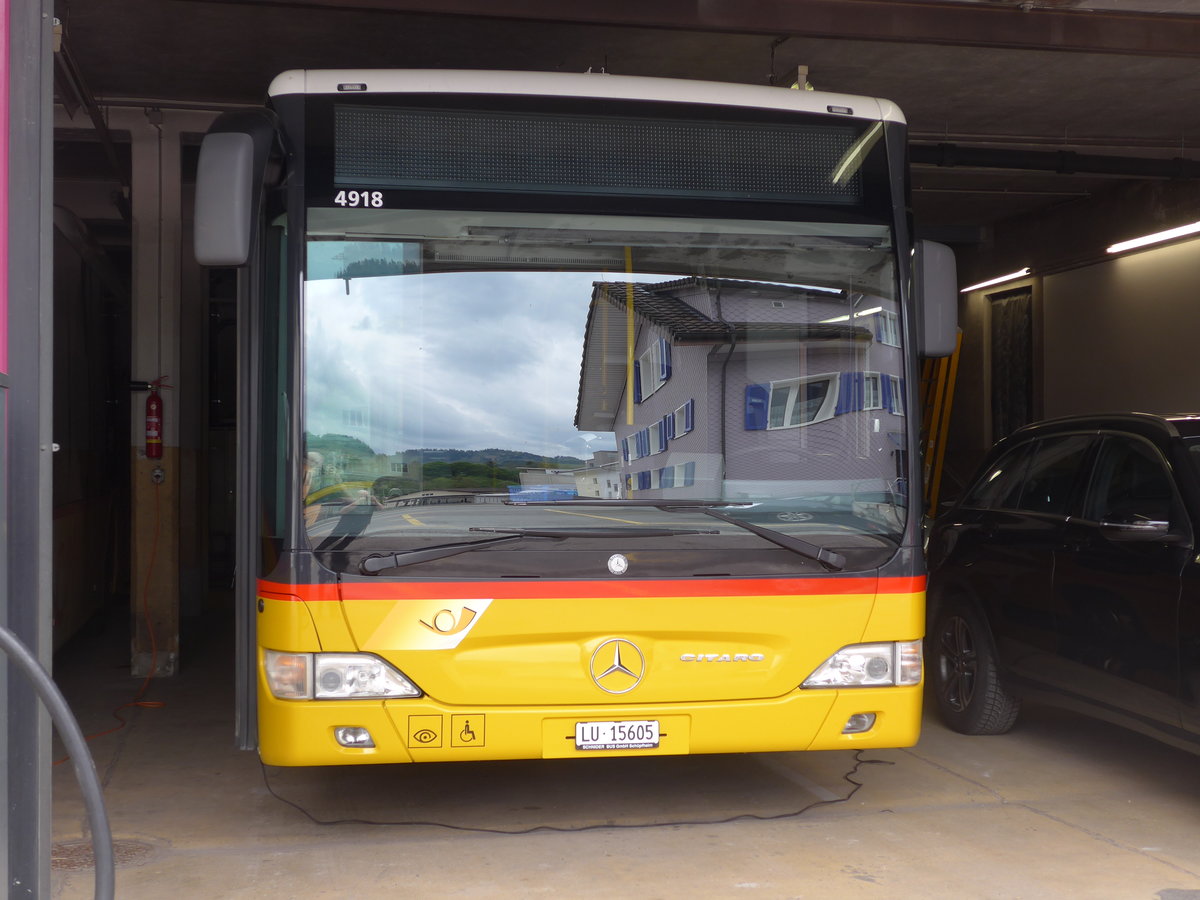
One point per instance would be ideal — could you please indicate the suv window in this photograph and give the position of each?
(1000, 480)
(1052, 475)
(1131, 484)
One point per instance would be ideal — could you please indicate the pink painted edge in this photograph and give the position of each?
(5, 62)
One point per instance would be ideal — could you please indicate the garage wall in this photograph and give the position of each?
(1122, 335)
(1116, 335)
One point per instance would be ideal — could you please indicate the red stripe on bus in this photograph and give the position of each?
(454, 590)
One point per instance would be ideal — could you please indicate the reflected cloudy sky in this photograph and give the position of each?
(466, 360)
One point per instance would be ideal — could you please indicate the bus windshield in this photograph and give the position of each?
(474, 374)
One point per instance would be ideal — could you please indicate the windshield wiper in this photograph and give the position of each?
(595, 532)
(656, 504)
(377, 562)
(830, 559)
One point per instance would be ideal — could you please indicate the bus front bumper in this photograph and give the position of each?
(315, 733)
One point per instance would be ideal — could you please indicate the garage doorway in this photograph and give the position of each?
(1010, 315)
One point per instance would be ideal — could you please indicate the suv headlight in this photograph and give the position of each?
(870, 665)
(334, 676)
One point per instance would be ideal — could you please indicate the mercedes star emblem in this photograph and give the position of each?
(617, 666)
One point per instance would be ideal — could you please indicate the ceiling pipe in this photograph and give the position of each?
(1061, 162)
(74, 92)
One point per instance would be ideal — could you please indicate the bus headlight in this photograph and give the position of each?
(334, 676)
(355, 675)
(870, 665)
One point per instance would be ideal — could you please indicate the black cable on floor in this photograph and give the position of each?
(859, 762)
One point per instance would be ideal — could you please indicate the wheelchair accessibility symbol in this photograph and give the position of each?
(466, 731)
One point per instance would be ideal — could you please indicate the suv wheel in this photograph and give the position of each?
(966, 677)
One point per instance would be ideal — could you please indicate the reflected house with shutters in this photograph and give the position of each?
(743, 389)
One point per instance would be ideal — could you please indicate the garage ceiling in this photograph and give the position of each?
(1047, 84)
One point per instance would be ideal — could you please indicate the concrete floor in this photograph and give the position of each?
(1062, 807)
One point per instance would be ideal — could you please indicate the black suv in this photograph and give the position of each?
(1068, 573)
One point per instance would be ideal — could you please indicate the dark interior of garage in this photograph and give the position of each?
(1035, 142)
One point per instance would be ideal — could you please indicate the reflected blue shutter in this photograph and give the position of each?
(644, 480)
(637, 381)
(664, 359)
(669, 426)
(757, 398)
(667, 478)
(625, 449)
(663, 429)
(860, 390)
(689, 416)
(689, 474)
(845, 400)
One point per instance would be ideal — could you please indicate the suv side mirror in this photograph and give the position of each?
(1145, 531)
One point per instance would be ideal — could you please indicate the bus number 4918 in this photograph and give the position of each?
(359, 198)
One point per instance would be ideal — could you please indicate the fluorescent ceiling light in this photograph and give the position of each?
(865, 312)
(999, 280)
(1156, 238)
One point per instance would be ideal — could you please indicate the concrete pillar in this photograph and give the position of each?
(155, 483)
(167, 342)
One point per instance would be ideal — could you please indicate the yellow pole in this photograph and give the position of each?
(944, 426)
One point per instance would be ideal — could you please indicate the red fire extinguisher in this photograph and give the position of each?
(154, 412)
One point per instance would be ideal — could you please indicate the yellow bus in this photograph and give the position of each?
(576, 416)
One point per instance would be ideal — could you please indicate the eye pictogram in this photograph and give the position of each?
(425, 736)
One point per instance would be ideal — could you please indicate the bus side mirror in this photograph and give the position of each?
(229, 183)
(936, 279)
(224, 179)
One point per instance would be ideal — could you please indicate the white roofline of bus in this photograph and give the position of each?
(563, 84)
